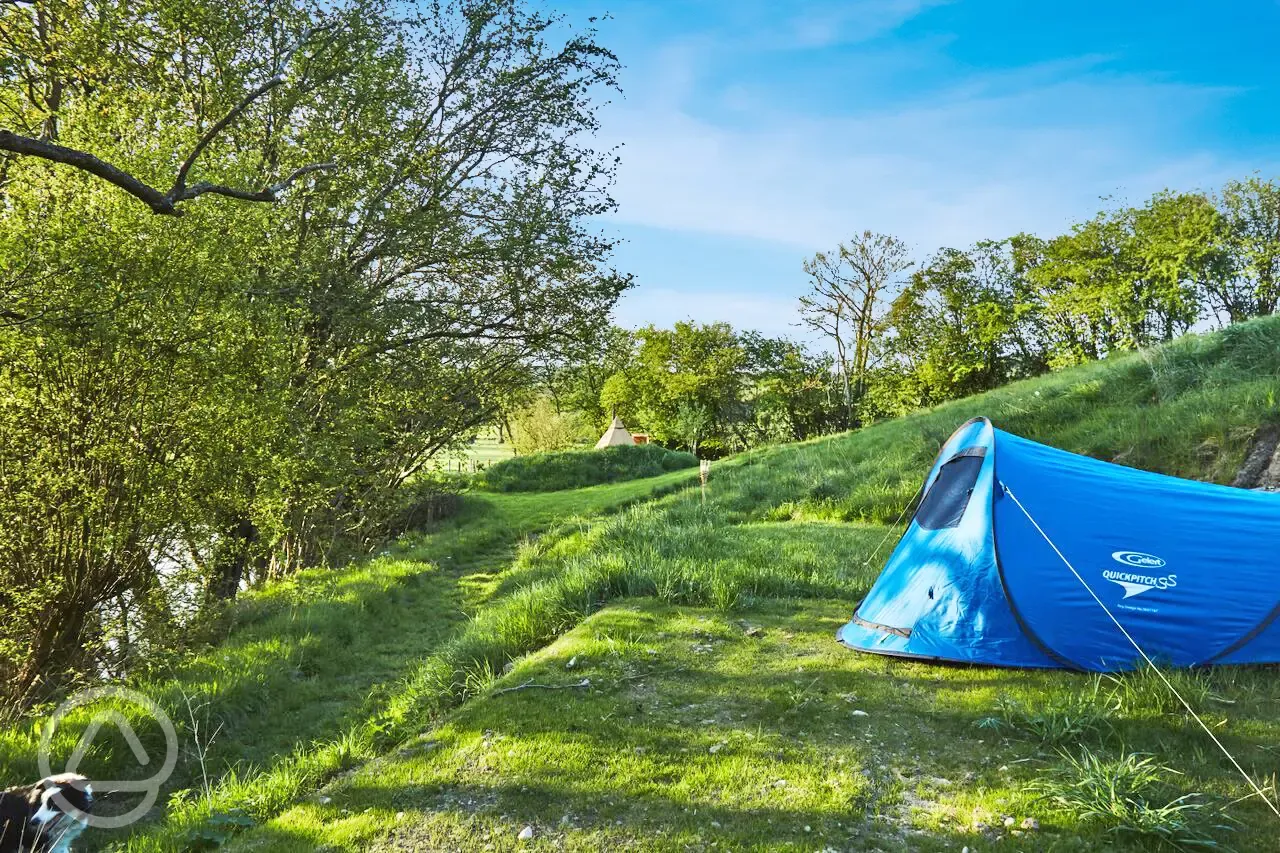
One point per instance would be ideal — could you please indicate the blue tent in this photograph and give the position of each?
(1023, 555)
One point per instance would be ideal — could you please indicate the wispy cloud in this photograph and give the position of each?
(795, 127)
(825, 24)
(987, 156)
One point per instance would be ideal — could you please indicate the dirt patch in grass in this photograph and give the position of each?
(1261, 469)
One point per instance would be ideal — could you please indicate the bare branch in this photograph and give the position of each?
(268, 194)
(276, 79)
(530, 684)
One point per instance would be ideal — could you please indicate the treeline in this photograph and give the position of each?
(908, 335)
(260, 265)
(707, 389)
(901, 334)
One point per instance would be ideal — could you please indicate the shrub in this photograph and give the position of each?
(541, 428)
(550, 472)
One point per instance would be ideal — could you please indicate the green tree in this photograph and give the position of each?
(681, 378)
(1179, 246)
(1251, 210)
(709, 388)
(540, 427)
(789, 391)
(198, 403)
(207, 78)
(1090, 284)
(956, 326)
(692, 423)
(577, 382)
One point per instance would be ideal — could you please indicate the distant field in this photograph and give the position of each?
(483, 452)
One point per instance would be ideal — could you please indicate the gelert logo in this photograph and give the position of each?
(1138, 560)
(1136, 583)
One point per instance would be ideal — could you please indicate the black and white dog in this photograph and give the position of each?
(45, 817)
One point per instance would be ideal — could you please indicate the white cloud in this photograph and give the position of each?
(770, 128)
(987, 156)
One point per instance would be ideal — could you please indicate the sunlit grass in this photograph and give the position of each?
(298, 690)
(365, 669)
(752, 731)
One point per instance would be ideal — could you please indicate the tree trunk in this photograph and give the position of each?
(229, 566)
(844, 383)
(53, 648)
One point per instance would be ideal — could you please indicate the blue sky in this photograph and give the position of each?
(755, 133)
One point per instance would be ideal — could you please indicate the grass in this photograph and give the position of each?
(700, 728)
(787, 539)
(574, 469)
(1057, 719)
(483, 452)
(296, 691)
(1131, 796)
(775, 528)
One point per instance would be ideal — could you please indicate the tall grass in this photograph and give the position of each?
(1132, 795)
(1060, 718)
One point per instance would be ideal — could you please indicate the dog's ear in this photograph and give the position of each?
(35, 793)
(73, 791)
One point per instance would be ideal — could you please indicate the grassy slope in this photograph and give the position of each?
(297, 690)
(764, 546)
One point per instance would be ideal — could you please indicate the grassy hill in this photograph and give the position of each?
(718, 711)
(632, 667)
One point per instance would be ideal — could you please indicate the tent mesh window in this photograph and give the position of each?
(943, 506)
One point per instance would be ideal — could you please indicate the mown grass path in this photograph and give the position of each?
(294, 692)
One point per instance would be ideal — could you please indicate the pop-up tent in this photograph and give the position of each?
(1023, 555)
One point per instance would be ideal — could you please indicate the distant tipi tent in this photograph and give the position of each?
(615, 434)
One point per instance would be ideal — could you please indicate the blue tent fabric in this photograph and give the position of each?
(1186, 567)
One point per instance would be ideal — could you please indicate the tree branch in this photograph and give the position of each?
(268, 194)
(530, 684)
(180, 182)
(165, 204)
(276, 79)
(86, 162)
